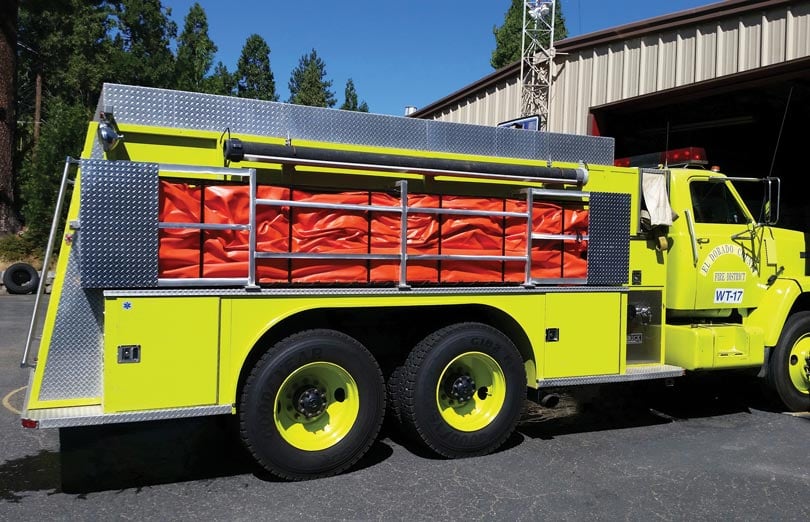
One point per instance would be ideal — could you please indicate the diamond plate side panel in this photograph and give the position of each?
(518, 143)
(461, 139)
(663, 371)
(93, 415)
(74, 366)
(178, 109)
(119, 224)
(379, 131)
(588, 149)
(609, 239)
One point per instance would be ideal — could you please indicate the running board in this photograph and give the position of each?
(633, 373)
(93, 415)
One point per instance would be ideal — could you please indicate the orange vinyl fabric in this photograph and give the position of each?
(191, 253)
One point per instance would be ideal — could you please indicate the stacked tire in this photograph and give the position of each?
(20, 278)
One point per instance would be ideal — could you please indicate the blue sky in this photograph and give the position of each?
(397, 53)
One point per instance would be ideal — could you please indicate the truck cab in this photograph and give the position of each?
(735, 283)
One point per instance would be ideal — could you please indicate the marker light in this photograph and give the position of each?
(675, 157)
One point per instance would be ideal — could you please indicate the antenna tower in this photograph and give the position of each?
(537, 59)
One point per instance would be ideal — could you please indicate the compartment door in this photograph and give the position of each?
(160, 352)
(583, 334)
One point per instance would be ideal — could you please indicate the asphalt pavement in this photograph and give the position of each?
(709, 449)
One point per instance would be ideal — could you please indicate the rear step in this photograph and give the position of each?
(92, 415)
(633, 373)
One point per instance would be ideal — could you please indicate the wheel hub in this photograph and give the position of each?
(807, 367)
(461, 388)
(310, 402)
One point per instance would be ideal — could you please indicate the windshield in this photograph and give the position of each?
(713, 202)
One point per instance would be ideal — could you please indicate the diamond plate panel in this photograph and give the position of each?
(461, 139)
(119, 224)
(164, 108)
(327, 292)
(609, 239)
(74, 367)
(93, 415)
(588, 149)
(663, 371)
(518, 143)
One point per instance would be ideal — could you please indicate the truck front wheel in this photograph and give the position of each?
(789, 366)
(313, 405)
(461, 390)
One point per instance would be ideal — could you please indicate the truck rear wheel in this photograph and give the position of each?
(313, 405)
(461, 390)
(789, 367)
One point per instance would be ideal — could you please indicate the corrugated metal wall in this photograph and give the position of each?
(646, 64)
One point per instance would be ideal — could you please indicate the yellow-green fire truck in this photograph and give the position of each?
(310, 270)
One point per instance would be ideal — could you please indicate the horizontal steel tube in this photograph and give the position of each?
(236, 150)
(371, 208)
(326, 206)
(194, 169)
(204, 226)
(203, 281)
(560, 237)
(309, 255)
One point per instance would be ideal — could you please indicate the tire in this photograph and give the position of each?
(392, 392)
(461, 390)
(312, 405)
(20, 278)
(788, 366)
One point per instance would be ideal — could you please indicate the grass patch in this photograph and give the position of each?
(17, 248)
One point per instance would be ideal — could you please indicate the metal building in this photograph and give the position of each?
(726, 77)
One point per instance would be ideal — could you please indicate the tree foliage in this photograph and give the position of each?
(308, 84)
(350, 99)
(195, 51)
(509, 36)
(71, 47)
(220, 82)
(254, 79)
(142, 43)
(40, 177)
(8, 44)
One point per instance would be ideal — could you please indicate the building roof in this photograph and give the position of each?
(694, 16)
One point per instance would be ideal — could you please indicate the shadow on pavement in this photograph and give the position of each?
(136, 455)
(618, 406)
(31, 473)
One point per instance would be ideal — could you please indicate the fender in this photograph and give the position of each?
(774, 308)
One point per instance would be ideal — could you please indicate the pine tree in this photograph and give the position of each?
(144, 34)
(8, 49)
(350, 99)
(509, 36)
(195, 51)
(308, 84)
(254, 79)
(65, 52)
(220, 82)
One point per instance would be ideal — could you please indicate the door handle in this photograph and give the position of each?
(702, 240)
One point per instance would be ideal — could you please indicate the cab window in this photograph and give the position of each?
(714, 203)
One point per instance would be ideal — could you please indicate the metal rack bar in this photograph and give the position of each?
(251, 283)
(57, 213)
(403, 234)
(202, 226)
(560, 237)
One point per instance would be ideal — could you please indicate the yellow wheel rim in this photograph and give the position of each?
(316, 406)
(471, 391)
(798, 363)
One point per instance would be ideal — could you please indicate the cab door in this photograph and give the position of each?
(726, 268)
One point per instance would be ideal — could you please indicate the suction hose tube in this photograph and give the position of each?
(236, 150)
